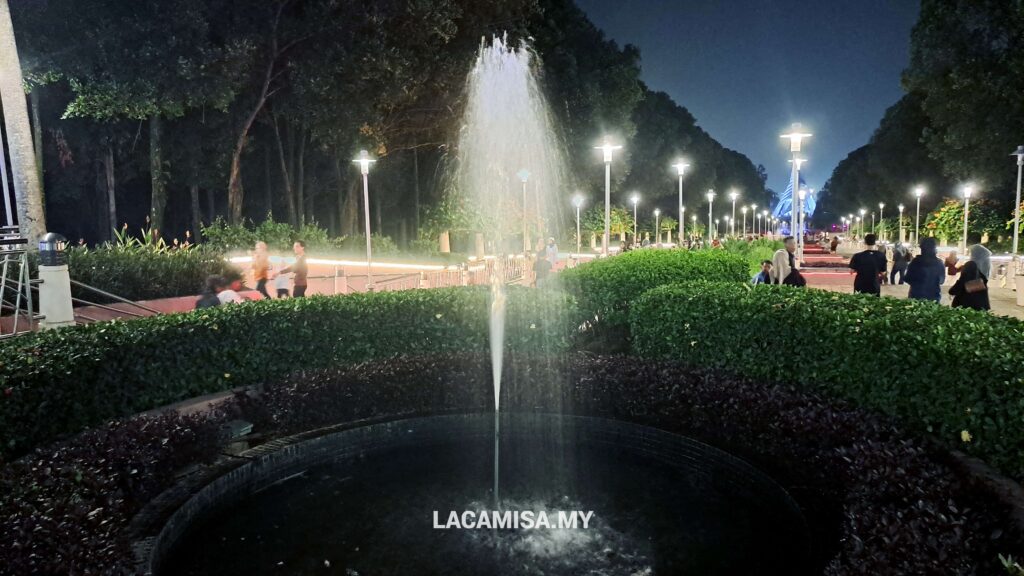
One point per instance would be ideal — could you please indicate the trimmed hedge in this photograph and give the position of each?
(954, 373)
(605, 287)
(63, 381)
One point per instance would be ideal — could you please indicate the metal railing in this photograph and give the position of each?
(16, 285)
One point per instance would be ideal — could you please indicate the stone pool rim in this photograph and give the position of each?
(165, 520)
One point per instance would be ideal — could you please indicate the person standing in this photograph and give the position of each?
(900, 261)
(971, 289)
(541, 270)
(261, 268)
(834, 245)
(925, 273)
(299, 268)
(868, 266)
(951, 263)
(551, 252)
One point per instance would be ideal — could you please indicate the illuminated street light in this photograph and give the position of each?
(577, 201)
(1019, 153)
(900, 207)
(862, 221)
(680, 167)
(733, 196)
(524, 175)
(744, 231)
(968, 192)
(753, 222)
(607, 148)
(711, 201)
(364, 162)
(881, 219)
(918, 192)
(796, 136)
(635, 199)
(657, 231)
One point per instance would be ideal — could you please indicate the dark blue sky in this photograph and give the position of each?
(747, 69)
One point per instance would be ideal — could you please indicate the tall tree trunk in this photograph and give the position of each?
(28, 191)
(197, 219)
(300, 179)
(285, 176)
(108, 169)
(236, 194)
(350, 210)
(37, 132)
(211, 205)
(156, 173)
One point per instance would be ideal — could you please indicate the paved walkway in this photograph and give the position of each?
(834, 275)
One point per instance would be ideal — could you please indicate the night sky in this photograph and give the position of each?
(747, 69)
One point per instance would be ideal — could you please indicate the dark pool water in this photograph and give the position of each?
(657, 509)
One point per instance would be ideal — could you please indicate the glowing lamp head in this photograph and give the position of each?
(635, 199)
(680, 167)
(1019, 153)
(694, 218)
(657, 211)
(523, 175)
(744, 209)
(711, 195)
(734, 195)
(364, 161)
(803, 193)
(900, 208)
(919, 191)
(765, 213)
(577, 200)
(753, 207)
(796, 136)
(968, 191)
(863, 211)
(608, 148)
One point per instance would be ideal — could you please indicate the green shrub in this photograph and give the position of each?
(280, 236)
(958, 374)
(62, 381)
(754, 251)
(604, 287)
(144, 273)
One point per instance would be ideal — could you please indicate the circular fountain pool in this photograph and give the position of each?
(417, 497)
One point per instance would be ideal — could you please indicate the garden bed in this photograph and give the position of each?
(879, 501)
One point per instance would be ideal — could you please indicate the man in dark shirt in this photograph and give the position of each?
(868, 265)
(541, 270)
(299, 268)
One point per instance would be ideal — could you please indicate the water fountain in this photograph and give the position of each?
(657, 502)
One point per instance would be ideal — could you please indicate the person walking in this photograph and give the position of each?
(925, 273)
(281, 284)
(299, 268)
(983, 256)
(834, 245)
(261, 268)
(971, 289)
(868, 265)
(951, 263)
(551, 252)
(900, 261)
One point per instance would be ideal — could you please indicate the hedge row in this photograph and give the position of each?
(66, 380)
(957, 374)
(604, 288)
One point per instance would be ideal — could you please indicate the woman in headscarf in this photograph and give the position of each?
(971, 289)
(983, 256)
(926, 273)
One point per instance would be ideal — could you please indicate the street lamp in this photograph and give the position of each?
(577, 201)
(733, 196)
(524, 175)
(862, 221)
(901, 221)
(635, 199)
(918, 192)
(744, 210)
(881, 219)
(681, 167)
(796, 136)
(1019, 153)
(364, 162)
(657, 230)
(753, 221)
(711, 201)
(682, 226)
(607, 148)
(968, 192)
(800, 225)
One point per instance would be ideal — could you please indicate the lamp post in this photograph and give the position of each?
(900, 207)
(635, 199)
(657, 230)
(744, 211)
(753, 221)
(681, 167)
(717, 234)
(802, 195)
(682, 226)
(842, 224)
(1019, 153)
(862, 221)
(796, 136)
(364, 162)
(577, 201)
(757, 223)
(881, 219)
(524, 175)
(711, 201)
(968, 191)
(918, 192)
(733, 196)
(607, 148)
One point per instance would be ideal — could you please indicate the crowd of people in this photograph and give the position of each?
(219, 290)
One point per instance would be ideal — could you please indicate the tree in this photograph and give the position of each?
(27, 188)
(947, 220)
